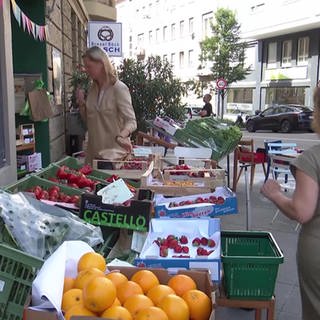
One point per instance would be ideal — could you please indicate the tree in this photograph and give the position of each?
(154, 90)
(225, 49)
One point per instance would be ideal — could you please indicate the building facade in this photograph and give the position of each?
(101, 10)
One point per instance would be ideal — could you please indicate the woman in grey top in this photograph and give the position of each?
(304, 207)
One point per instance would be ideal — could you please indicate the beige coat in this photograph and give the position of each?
(105, 119)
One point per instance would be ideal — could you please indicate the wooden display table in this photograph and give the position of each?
(258, 305)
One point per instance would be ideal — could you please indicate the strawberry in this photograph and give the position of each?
(199, 200)
(173, 243)
(211, 243)
(196, 242)
(177, 249)
(188, 202)
(204, 241)
(86, 169)
(163, 251)
(183, 240)
(170, 237)
(185, 249)
(199, 251)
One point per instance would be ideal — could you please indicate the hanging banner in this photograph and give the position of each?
(37, 31)
(107, 36)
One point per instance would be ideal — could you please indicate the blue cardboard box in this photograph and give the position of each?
(230, 206)
(191, 228)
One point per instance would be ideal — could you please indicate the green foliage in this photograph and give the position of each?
(154, 90)
(225, 48)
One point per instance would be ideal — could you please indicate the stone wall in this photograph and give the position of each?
(67, 21)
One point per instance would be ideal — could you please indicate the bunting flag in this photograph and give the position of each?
(37, 31)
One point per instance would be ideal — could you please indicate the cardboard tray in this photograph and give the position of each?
(198, 210)
(201, 278)
(114, 168)
(149, 256)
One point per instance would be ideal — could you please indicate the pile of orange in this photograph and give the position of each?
(114, 296)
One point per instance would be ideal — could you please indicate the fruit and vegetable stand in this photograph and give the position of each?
(179, 234)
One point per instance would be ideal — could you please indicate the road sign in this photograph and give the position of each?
(107, 36)
(221, 83)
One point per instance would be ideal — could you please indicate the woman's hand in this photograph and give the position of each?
(124, 143)
(270, 189)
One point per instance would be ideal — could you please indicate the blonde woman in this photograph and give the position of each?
(304, 207)
(107, 111)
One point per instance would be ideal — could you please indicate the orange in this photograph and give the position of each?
(157, 293)
(85, 276)
(181, 283)
(127, 289)
(175, 307)
(71, 298)
(116, 302)
(99, 294)
(68, 284)
(92, 260)
(78, 310)
(199, 304)
(145, 279)
(117, 313)
(151, 313)
(117, 278)
(136, 303)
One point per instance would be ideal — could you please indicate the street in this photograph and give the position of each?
(304, 140)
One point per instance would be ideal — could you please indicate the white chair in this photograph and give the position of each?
(280, 169)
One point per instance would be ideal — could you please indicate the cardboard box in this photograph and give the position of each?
(134, 217)
(149, 256)
(162, 205)
(201, 278)
(167, 125)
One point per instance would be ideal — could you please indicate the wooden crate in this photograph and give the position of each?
(154, 180)
(211, 178)
(116, 168)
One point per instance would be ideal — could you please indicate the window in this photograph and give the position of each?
(173, 59)
(190, 58)
(173, 31)
(150, 36)
(286, 53)
(303, 51)
(250, 57)
(191, 25)
(130, 42)
(269, 112)
(140, 39)
(181, 28)
(165, 28)
(289, 95)
(241, 95)
(157, 35)
(165, 57)
(206, 24)
(181, 59)
(272, 55)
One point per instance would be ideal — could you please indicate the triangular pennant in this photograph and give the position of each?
(33, 29)
(36, 31)
(24, 21)
(46, 32)
(29, 24)
(17, 15)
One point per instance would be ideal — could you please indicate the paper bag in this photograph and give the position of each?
(40, 105)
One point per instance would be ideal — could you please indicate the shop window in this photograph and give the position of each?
(286, 53)
(272, 55)
(2, 134)
(241, 95)
(303, 51)
(293, 95)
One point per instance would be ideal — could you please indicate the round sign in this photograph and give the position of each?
(221, 83)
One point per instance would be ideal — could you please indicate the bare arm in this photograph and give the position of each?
(82, 104)
(302, 205)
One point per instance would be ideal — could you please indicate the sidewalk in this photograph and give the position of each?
(288, 305)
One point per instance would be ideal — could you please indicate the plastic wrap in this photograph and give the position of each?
(39, 229)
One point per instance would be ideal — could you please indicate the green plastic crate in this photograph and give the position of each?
(17, 272)
(250, 264)
(33, 180)
(73, 163)
(6, 236)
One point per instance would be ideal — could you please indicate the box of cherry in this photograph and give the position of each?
(183, 243)
(221, 202)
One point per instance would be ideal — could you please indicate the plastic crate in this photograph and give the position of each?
(33, 180)
(17, 272)
(250, 263)
(6, 236)
(95, 174)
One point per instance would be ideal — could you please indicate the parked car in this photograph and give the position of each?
(284, 118)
